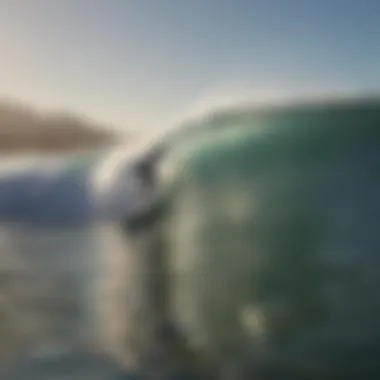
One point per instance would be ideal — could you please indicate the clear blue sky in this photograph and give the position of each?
(136, 62)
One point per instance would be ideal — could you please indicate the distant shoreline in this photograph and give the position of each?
(25, 130)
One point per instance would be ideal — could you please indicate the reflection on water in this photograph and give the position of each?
(60, 289)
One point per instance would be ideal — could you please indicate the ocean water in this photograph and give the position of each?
(52, 265)
(66, 275)
(275, 241)
(62, 265)
(62, 293)
(66, 289)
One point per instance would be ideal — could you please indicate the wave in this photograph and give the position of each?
(106, 185)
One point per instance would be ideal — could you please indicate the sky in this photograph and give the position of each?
(136, 63)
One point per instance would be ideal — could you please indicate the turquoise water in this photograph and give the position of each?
(275, 244)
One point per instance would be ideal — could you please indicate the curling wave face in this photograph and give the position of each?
(275, 244)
